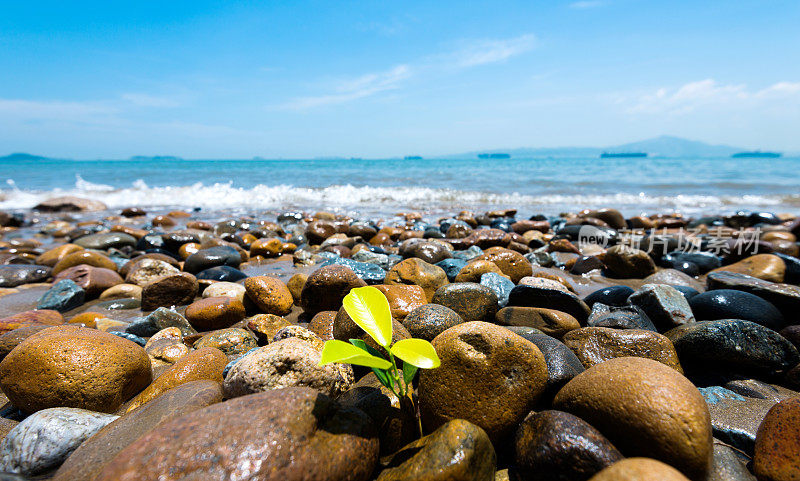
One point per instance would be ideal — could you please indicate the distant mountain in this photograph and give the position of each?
(20, 156)
(664, 146)
(667, 146)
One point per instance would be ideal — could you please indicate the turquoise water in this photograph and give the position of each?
(544, 185)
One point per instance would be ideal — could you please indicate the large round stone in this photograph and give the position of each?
(430, 320)
(778, 443)
(284, 434)
(594, 345)
(44, 439)
(270, 294)
(639, 469)
(471, 301)
(215, 313)
(731, 304)
(288, 362)
(626, 262)
(511, 263)
(89, 459)
(326, 287)
(73, 366)
(457, 451)
(646, 409)
(732, 347)
(489, 376)
(554, 445)
(763, 266)
(212, 257)
(174, 290)
(206, 363)
(417, 272)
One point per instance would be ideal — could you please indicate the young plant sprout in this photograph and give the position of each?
(369, 309)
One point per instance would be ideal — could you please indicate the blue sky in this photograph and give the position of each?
(229, 79)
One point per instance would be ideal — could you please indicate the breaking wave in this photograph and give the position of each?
(381, 199)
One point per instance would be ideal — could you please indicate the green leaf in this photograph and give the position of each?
(368, 308)
(381, 374)
(409, 370)
(383, 377)
(363, 345)
(418, 352)
(342, 352)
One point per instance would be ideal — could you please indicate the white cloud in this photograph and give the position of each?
(484, 52)
(709, 93)
(583, 5)
(780, 89)
(356, 88)
(26, 110)
(146, 100)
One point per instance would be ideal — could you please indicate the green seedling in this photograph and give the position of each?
(369, 309)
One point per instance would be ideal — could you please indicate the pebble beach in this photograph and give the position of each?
(145, 343)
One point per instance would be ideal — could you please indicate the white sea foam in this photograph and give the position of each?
(372, 199)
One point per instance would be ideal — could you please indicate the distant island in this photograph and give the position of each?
(663, 146)
(412, 157)
(22, 157)
(610, 155)
(156, 158)
(756, 154)
(495, 156)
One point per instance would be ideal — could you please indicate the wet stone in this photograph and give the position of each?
(222, 273)
(370, 273)
(471, 301)
(430, 320)
(776, 448)
(65, 295)
(735, 418)
(664, 305)
(785, 297)
(288, 362)
(562, 364)
(44, 440)
(616, 296)
(500, 285)
(595, 345)
(560, 300)
(732, 304)
(452, 267)
(555, 445)
(212, 257)
(106, 241)
(458, 450)
(18, 274)
(733, 347)
(232, 341)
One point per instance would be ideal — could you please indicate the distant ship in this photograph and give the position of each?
(608, 155)
(412, 157)
(496, 156)
(756, 154)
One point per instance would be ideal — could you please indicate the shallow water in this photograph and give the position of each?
(544, 185)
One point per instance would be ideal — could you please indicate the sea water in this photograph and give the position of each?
(533, 185)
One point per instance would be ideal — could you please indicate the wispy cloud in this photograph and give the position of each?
(469, 54)
(710, 93)
(583, 5)
(484, 52)
(146, 100)
(27, 110)
(356, 88)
